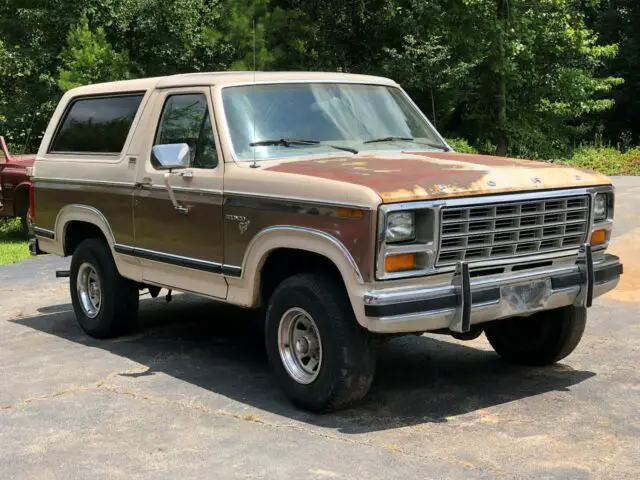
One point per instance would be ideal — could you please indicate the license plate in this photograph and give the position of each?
(526, 297)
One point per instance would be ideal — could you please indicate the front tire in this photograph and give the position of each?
(321, 358)
(104, 302)
(542, 339)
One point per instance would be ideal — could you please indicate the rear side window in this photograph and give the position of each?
(96, 124)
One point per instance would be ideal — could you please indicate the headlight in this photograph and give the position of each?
(400, 227)
(600, 208)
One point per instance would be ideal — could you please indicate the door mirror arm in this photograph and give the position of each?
(172, 195)
(172, 156)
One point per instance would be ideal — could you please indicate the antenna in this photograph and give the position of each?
(255, 163)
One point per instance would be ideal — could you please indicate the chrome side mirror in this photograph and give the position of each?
(171, 156)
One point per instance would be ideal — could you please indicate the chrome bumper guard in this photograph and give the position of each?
(467, 302)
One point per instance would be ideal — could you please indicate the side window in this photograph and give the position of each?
(96, 124)
(185, 119)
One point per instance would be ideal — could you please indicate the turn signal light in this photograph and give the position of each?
(399, 263)
(598, 237)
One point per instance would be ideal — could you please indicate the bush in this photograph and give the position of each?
(460, 145)
(606, 160)
(13, 247)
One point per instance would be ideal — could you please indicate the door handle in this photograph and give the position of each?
(188, 174)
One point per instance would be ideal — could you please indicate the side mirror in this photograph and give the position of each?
(171, 156)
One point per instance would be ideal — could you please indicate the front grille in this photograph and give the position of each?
(486, 232)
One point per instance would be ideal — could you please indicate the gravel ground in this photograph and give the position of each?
(190, 396)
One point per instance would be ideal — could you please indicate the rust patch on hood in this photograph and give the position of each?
(407, 176)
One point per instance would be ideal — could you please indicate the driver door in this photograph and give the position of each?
(181, 247)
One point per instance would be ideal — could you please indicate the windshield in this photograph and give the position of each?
(317, 117)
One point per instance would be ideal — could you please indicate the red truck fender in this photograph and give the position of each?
(16, 170)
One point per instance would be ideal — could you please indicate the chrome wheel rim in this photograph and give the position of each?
(300, 345)
(89, 290)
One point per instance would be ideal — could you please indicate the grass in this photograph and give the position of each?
(607, 160)
(602, 158)
(13, 246)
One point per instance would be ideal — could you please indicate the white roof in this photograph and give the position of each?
(222, 78)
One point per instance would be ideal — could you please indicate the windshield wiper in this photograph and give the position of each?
(388, 139)
(287, 142)
(406, 139)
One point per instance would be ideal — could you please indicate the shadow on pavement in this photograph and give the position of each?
(418, 380)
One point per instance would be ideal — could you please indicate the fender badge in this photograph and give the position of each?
(536, 180)
(242, 226)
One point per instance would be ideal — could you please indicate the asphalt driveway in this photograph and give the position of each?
(190, 396)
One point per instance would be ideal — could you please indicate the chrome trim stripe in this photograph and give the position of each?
(71, 181)
(500, 198)
(206, 191)
(108, 183)
(313, 201)
(178, 260)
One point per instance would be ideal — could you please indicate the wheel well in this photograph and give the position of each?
(76, 232)
(282, 263)
(21, 199)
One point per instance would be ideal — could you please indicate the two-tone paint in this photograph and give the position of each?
(240, 213)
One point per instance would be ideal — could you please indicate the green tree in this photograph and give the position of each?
(528, 72)
(618, 21)
(90, 58)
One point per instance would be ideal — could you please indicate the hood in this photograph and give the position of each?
(18, 160)
(408, 176)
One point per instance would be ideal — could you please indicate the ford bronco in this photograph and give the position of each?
(328, 201)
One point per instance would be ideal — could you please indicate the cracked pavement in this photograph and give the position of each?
(190, 396)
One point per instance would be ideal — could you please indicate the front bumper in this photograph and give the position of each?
(467, 301)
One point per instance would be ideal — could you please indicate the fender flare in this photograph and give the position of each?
(298, 238)
(81, 213)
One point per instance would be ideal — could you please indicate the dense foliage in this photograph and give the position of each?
(537, 79)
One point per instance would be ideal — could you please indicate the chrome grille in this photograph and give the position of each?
(486, 232)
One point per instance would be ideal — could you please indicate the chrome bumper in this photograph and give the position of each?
(470, 301)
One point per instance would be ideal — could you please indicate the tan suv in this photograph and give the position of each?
(330, 201)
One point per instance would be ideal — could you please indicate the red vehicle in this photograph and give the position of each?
(15, 185)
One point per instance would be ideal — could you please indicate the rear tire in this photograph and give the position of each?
(313, 312)
(104, 302)
(542, 339)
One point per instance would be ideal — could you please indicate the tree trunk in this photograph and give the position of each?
(502, 140)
